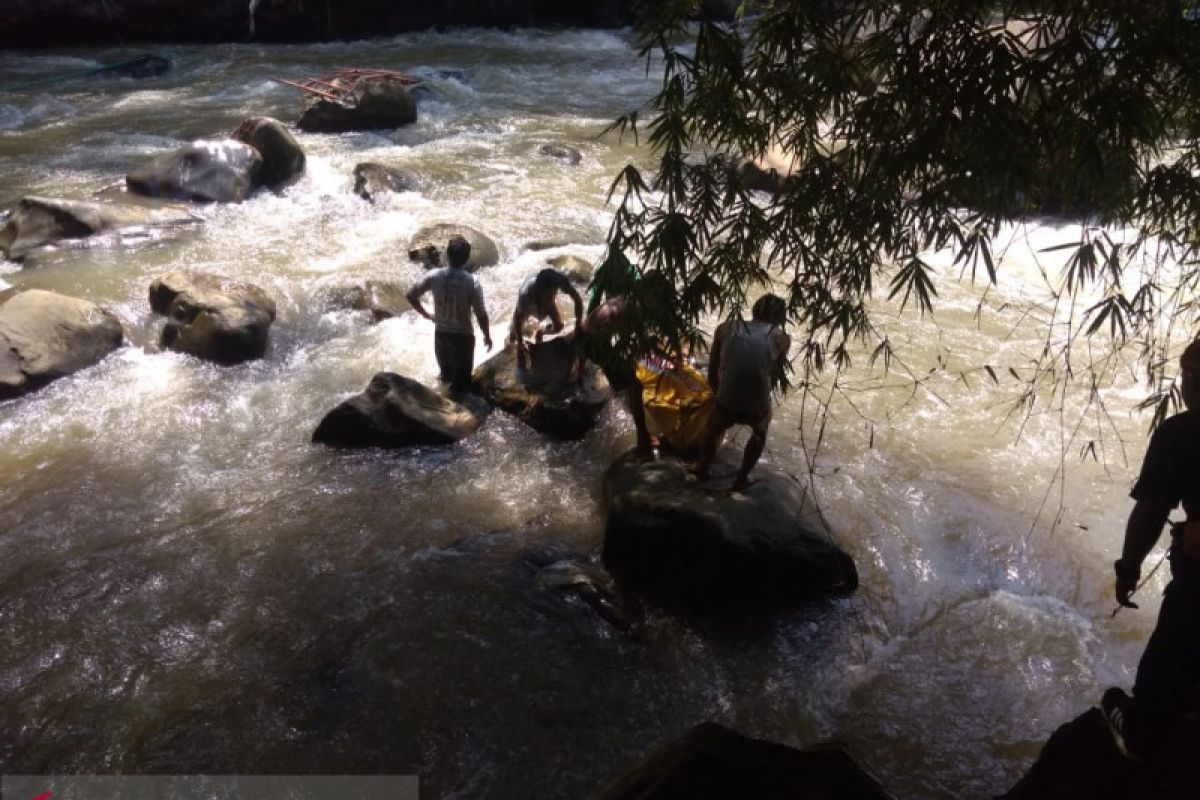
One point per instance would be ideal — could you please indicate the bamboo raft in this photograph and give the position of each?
(341, 85)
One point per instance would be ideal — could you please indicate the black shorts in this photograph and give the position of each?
(619, 373)
(455, 356)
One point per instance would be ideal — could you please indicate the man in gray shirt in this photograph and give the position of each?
(456, 293)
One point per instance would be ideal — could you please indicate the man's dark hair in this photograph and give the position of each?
(458, 250)
(769, 308)
(549, 278)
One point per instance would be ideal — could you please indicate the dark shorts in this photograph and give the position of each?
(731, 417)
(619, 373)
(455, 356)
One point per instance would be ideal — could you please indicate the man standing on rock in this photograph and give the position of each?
(456, 293)
(746, 361)
(537, 298)
(1170, 667)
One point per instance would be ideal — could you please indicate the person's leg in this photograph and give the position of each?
(637, 410)
(443, 351)
(466, 362)
(754, 449)
(714, 429)
(1170, 666)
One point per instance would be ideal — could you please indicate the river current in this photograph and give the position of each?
(188, 585)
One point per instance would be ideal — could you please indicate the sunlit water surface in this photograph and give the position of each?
(188, 585)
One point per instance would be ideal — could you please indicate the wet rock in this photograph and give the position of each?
(484, 252)
(371, 180)
(395, 411)
(544, 396)
(211, 318)
(558, 152)
(144, 66)
(591, 585)
(282, 157)
(1081, 762)
(579, 270)
(220, 172)
(384, 299)
(692, 546)
(712, 761)
(45, 335)
(374, 104)
(538, 244)
(38, 222)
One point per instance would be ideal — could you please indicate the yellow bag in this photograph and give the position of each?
(678, 402)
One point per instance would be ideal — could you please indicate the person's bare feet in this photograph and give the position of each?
(741, 483)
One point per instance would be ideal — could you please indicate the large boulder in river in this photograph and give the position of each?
(221, 172)
(712, 762)
(38, 222)
(688, 545)
(372, 180)
(544, 396)
(282, 157)
(484, 252)
(44, 335)
(211, 318)
(372, 104)
(395, 411)
(1080, 762)
(384, 299)
(579, 270)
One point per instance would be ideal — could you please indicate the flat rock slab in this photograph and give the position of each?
(1080, 762)
(45, 335)
(484, 252)
(543, 396)
(712, 762)
(687, 545)
(396, 411)
(212, 318)
(223, 171)
(38, 222)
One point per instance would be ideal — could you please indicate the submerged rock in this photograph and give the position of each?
(558, 152)
(544, 396)
(211, 318)
(396, 411)
(374, 104)
(592, 586)
(712, 762)
(214, 172)
(372, 180)
(45, 335)
(1081, 762)
(384, 299)
(692, 546)
(282, 157)
(484, 252)
(38, 222)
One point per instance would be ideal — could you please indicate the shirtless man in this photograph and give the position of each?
(537, 298)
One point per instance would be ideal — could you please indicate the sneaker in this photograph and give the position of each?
(1114, 707)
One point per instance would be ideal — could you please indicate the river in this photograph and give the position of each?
(188, 585)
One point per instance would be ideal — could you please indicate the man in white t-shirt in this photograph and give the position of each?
(456, 293)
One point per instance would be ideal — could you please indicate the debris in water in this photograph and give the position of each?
(340, 85)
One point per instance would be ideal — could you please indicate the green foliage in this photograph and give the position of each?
(913, 127)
